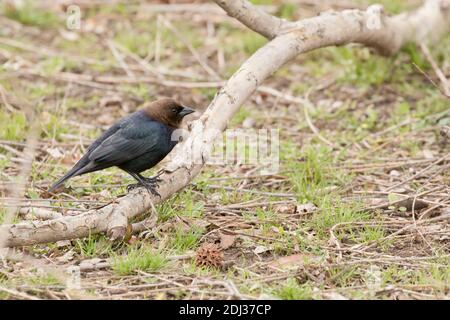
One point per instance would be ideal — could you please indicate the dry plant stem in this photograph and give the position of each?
(428, 22)
(17, 190)
(437, 71)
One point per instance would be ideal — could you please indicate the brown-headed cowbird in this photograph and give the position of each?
(134, 144)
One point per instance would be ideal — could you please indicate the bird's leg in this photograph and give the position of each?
(148, 183)
(155, 179)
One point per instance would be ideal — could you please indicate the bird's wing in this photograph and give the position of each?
(127, 143)
(113, 129)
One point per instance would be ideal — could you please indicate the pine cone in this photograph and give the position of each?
(210, 255)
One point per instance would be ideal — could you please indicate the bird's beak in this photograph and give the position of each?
(186, 111)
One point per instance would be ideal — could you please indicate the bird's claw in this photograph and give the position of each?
(153, 180)
(149, 183)
(132, 186)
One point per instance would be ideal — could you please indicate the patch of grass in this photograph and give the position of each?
(30, 15)
(166, 210)
(43, 280)
(287, 11)
(119, 8)
(208, 93)
(401, 110)
(435, 275)
(240, 116)
(262, 2)
(52, 126)
(345, 276)
(356, 125)
(191, 268)
(40, 90)
(182, 240)
(412, 147)
(140, 90)
(416, 56)
(191, 207)
(93, 246)
(2, 214)
(134, 42)
(312, 172)
(292, 290)
(86, 46)
(37, 279)
(252, 42)
(314, 179)
(144, 259)
(186, 200)
(12, 126)
(391, 7)
(333, 211)
(76, 103)
(238, 41)
(433, 103)
(54, 65)
(299, 88)
(361, 67)
(362, 235)
(227, 196)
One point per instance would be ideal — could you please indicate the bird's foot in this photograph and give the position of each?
(153, 180)
(149, 183)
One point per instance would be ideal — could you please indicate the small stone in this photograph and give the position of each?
(260, 249)
(428, 154)
(394, 173)
(63, 243)
(248, 123)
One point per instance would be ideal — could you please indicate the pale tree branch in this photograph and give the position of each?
(371, 28)
(253, 17)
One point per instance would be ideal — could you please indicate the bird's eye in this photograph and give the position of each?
(174, 110)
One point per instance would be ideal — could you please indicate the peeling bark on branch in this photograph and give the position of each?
(289, 39)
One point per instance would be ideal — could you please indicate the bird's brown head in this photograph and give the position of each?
(168, 111)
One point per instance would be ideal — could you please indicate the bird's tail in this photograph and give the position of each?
(77, 170)
(63, 179)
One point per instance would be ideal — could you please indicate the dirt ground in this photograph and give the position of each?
(360, 205)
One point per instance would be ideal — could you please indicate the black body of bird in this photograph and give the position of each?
(134, 144)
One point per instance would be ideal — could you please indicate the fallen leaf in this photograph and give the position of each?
(392, 197)
(285, 208)
(295, 259)
(91, 263)
(248, 123)
(291, 208)
(306, 208)
(334, 296)
(106, 119)
(260, 249)
(69, 255)
(105, 193)
(63, 243)
(226, 240)
(111, 100)
(55, 153)
(428, 154)
(289, 260)
(132, 240)
(394, 173)
(69, 35)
